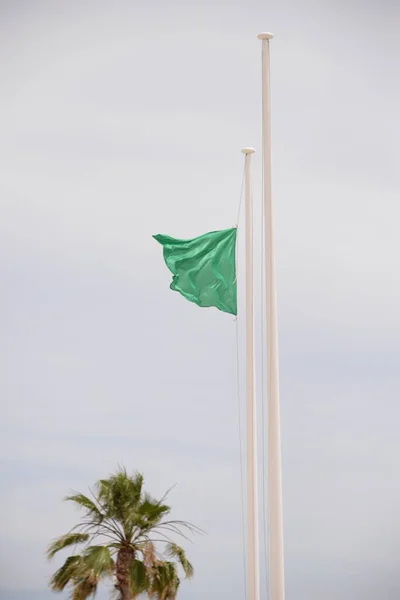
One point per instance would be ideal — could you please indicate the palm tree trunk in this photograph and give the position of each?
(124, 561)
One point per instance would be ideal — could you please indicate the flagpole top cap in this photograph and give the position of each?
(265, 36)
(248, 150)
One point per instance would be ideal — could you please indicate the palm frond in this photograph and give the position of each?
(152, 511)
(84, 589)
(165, 582)
(121, 488)
(104, 491)
(84, 502)
(120, 497)
(69, 539)
(160, 528)
(108, 527)
(66, 574)
(186, 524)
(167, 493)
(84, 572)
(139, 578)
(149, 554)
(175, 551)
(99, 560)
(145, 516)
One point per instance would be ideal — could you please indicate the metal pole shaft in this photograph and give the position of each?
(277, 578)
(252, 493)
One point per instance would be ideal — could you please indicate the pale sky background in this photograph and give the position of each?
(123, 119)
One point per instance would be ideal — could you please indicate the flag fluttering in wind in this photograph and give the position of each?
(204, 268)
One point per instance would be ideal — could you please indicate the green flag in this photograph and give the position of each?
(204, 269)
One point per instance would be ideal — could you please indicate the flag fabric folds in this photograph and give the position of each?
(204, 268)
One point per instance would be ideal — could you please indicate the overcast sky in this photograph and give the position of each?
(123, 119)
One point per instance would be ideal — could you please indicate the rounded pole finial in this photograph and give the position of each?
(248, 150)
(265, 36)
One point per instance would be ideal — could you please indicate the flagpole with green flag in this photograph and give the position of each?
(276, 558)
(253, 570)
(204, 272)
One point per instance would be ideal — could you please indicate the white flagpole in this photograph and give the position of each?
(253, 571)
(277, 578)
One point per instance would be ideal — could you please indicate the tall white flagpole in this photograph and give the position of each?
(277, 577)
(253, 574)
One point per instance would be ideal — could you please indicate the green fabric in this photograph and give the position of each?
(204, 269)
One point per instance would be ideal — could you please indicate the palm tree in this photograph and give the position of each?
(128, 527)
